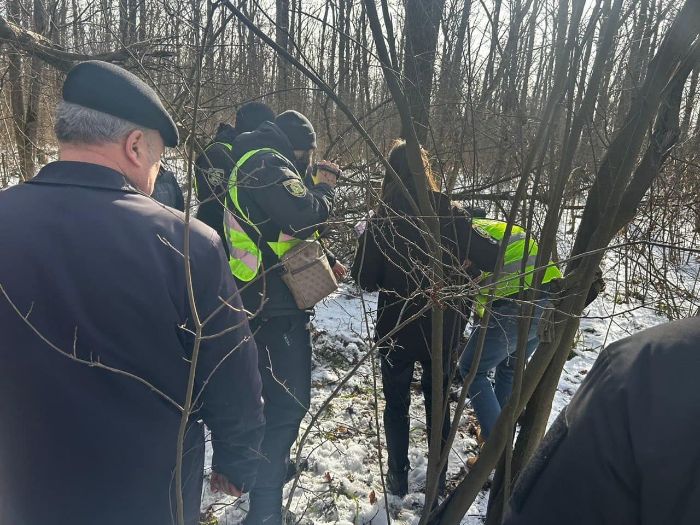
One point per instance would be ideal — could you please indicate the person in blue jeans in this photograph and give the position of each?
(499, 353)
(501, 340)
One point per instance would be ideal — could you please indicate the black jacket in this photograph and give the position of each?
(212, 169)
(392, 257)
(626, 451)
(274, 205)
(167, 190)
(96, 270)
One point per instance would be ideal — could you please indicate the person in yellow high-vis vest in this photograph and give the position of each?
(270, 207)
(216, 161)
(501, 340)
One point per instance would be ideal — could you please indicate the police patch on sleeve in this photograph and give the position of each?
(215, 176)
(483, 233)
(295, 187)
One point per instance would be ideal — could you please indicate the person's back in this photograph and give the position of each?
(395, 257)
(212, 167)
(96, 333)
(625, 451)
(398, 263)
(88, 315)
(266, 188)
(167, 190)
(214, 164)
(269, 211)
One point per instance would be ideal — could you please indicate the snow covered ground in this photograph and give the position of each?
(342, 484)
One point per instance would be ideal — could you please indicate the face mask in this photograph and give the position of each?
(301, 165)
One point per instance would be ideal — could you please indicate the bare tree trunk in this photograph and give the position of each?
(123, 19)
(143, 21)
(41, 26)
(17, 93)
(612, 196)
(282, 39)
(422, 25)
(343, 75)
(633, 70)
(25, 104)
(487, 84)
(450, 89)
(528, 61)
(132, 20)
(689, 104)
(364, 60)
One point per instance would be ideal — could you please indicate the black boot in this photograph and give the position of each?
(397, 482)
(293, 469)
(289, 519)
(265, 508)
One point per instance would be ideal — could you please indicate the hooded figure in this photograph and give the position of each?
(215, 163)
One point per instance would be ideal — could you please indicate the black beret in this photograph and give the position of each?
(298, 129)
(111, 89)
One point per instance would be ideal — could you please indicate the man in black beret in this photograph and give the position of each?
(216, 161)
(97, 327)
(272, 205)
(110, 89)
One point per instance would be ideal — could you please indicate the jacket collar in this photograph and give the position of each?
(84, 174)
(226, 133)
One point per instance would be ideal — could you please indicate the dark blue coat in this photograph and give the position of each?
(626, 451)
(92, 270)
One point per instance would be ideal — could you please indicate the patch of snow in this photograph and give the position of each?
(343, 483)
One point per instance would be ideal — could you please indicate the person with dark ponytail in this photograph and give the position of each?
(394, 257)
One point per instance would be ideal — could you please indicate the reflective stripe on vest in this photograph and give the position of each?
(508, 282)
(244, 254)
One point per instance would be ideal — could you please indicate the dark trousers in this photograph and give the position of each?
(284, 360)
(396, 382)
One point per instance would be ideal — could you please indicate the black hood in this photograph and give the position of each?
(225, 133)
(268, 135)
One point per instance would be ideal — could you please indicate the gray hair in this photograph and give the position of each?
(81, 125)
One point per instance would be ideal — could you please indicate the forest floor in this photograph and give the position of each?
(342, 483)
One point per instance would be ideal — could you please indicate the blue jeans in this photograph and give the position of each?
(500, 346)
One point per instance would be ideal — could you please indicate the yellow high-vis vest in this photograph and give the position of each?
(245, 256)
(509, 279)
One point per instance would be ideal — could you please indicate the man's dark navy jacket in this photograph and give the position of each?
(626, 451)
(89, 268)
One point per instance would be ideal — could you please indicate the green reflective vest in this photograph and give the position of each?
(245, 255)
(509, 279)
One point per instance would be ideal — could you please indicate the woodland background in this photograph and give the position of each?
(575, 118)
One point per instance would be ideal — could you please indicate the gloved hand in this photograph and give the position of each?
(326, 172)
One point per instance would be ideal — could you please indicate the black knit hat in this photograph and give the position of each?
(110, 89)
(251, 114)
(298, 129)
